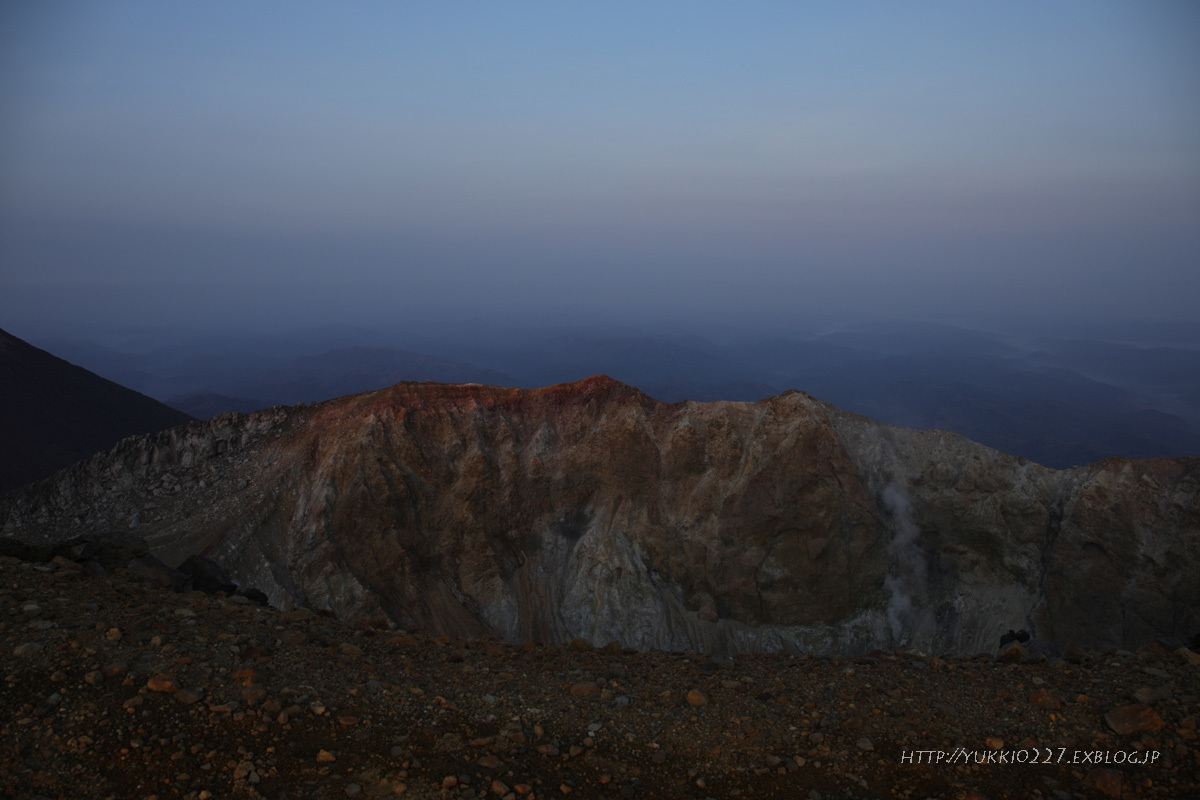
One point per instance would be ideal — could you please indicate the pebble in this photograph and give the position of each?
(115, 669)
(187, 697)
(1013, 654)
(253, 694)
(1134, 718)
(1186, 656)
(1149, 697)
(1105, 781)
(293, 638)
(28, 649)
(161, 683)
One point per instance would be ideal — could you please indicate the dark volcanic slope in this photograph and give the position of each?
(591, 510)
(53, 414)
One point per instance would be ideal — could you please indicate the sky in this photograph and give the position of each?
(272, 163)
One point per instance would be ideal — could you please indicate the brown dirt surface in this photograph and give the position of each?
(114, 689)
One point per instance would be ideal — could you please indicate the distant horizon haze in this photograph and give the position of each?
(281, 164)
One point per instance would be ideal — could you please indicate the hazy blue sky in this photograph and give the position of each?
(222, 162)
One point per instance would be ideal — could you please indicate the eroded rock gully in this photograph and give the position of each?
(591, 510)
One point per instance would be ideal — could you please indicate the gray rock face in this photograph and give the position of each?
(590, 510)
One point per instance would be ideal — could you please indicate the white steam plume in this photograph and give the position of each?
(908, 582)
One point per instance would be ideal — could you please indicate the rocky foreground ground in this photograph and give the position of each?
(117, 689)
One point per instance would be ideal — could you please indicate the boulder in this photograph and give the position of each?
(152, 570)
(207, 575)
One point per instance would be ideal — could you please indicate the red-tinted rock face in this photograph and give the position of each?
(590, 510)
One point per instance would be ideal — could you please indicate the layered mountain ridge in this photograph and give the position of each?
(591, 510)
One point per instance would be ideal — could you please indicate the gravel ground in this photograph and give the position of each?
(116, 689)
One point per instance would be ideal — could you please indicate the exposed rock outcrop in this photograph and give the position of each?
(591, 510)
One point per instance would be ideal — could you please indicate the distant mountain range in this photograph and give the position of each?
(1060, 402)
(334, 373)
(53, 413)
(203, 405)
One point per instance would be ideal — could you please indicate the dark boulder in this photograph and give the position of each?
(256, 596)
(207, 575)
(15, 548)
(154, 571)
(1041, 647)
(1014, 636)
(111, 549)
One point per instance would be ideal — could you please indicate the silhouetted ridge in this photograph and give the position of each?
(53, 413)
